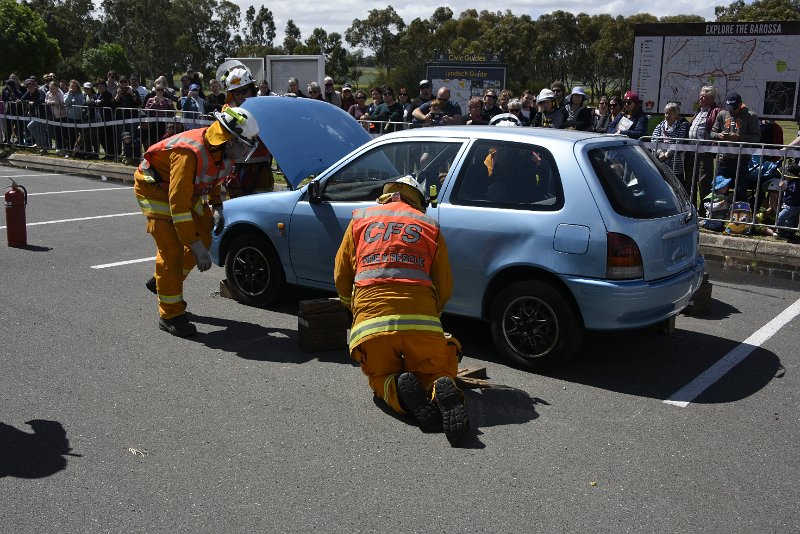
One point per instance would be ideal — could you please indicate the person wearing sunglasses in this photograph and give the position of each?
(314, 91)
(451, 111)
(331, 95)
(560, 91)
(405, 100)
(359, 109)
(636, 124)
(614, 114)
(600, 116)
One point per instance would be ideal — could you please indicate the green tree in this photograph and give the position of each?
(69, 22)
(292, 39)
(151, 50)
(110, 56)
(378, 32)
(783, 10)
(259, 28)
(27, 49)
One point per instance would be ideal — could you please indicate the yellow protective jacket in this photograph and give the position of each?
(387, 306)
(170, 184)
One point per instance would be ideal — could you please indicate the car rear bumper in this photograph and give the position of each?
(609, 305)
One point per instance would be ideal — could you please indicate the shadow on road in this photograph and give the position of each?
(645, 363)
(36, 455)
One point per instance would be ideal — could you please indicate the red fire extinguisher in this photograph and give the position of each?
(16, 200)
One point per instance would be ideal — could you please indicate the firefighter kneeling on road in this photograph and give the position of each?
(172, 184)
(393, 273)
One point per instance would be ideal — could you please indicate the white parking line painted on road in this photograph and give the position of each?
(81, 219)
(78, 191)
(118, 263)
(690, 391)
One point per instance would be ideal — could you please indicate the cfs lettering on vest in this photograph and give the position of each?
(409, 233)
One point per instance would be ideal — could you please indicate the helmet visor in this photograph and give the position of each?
(239, 150)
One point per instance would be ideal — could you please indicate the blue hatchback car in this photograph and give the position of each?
(550, 232)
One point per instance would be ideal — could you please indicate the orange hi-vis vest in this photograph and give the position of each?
(209, 173)
(394, 244)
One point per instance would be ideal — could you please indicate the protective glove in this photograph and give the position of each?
(219, 221)
(201, 256)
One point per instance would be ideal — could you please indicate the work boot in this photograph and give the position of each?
(177, 326)
(455, 419)
(151, 285)
(414, 400)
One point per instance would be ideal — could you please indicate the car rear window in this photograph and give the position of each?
(509, 175)
(636, 184)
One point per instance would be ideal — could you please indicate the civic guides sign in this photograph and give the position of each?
(758, 60)
(466, 75)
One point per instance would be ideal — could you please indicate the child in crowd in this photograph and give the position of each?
(790, 209)
(718, 204)
(766, 214)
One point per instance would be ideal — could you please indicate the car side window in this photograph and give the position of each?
(509, 175)
(363, 178)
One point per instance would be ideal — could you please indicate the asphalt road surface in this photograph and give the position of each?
(108, 424)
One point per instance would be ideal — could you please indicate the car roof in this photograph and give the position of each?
(523, 134)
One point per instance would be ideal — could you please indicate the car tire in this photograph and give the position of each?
(535, 326)
(254, 273)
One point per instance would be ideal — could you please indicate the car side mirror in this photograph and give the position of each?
(314, 193)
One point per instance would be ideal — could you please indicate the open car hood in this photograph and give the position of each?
(305, 136)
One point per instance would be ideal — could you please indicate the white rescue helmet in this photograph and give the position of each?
(241, 123)
(237, 77)
(222, 70)
(505, 120)
(410, 180)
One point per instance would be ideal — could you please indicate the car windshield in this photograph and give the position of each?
(636, 184)
(363, 178)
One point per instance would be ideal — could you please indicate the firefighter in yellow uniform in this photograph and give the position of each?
(392, 271)
(176, 182)
(255, 176)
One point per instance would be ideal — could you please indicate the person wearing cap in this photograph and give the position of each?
(329, 94)
(790, 207)
(348, 99)
(767, 214)
(579, 116)
(177, 186)
(735, 123)
(636, 124)
(393, 273)
(193, 107)
(718, 204)
(425, 95)
(549, 115)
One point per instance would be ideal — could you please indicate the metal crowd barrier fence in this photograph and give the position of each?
(89, 132)
(753, 165)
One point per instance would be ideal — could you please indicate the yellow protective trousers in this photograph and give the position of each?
(174, 261)
(384, 356)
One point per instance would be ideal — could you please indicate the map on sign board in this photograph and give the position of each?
(757, 60)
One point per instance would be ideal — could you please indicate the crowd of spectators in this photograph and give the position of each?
(54, 115)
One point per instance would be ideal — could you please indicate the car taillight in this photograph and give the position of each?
(624, 261)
